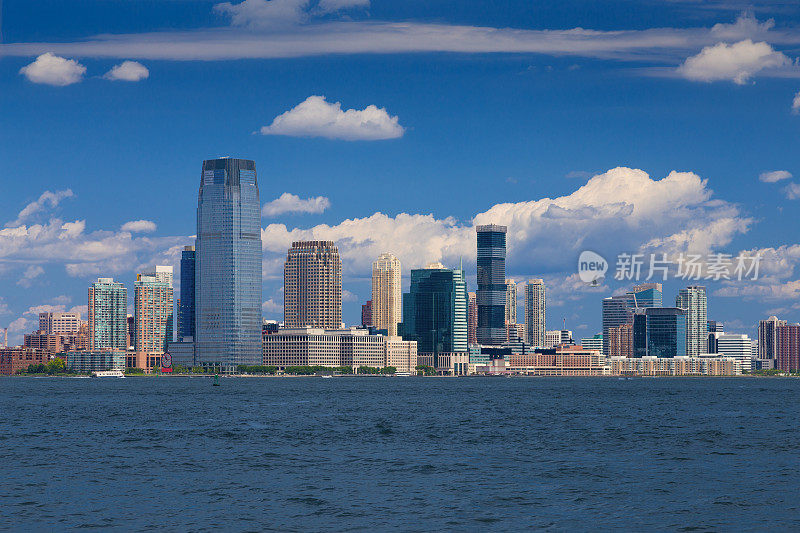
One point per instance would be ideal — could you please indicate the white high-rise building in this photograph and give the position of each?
(739, 347)
(387, 294)
(694, 301)
(511, 301)
(535, 310)
(59, 323)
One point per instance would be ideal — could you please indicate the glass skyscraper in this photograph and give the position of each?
(666, 332)
(186, 311)
(648, 295)
(491, 294)
(435, 311)
(228, 265)
(108, 315)
(693, 300)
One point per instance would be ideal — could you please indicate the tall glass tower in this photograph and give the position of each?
(435, 311)
(186, 311)
(694, 301)
(108, 321)
(491, 294)
(228, 265)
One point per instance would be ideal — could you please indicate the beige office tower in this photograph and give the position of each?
(511, 301)
(535, 312)
(387, 303)
(153, 303)
(59, 323)
(312, 284)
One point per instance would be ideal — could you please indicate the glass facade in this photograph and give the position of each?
(694, 301)
(186, 311)
(666, 332)
(617, 310)
(228, 265)
(435, 311)
(108, 315)
(491, 293)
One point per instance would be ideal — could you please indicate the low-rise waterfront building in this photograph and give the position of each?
(94, 360)
(12, 360)
(354, 347)
(674, 366)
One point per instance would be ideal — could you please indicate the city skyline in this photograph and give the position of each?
(516, 125)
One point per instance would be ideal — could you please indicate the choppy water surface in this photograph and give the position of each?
(416, 454)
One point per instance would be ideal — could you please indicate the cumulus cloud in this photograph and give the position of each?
(18, 325)
(261, 14)
(796, 103)
(291, 203)
(330, 6)
(315, 117)
(792, 191)
(47, 199)
(613, 212)
(44, 308)
(31, 273)
(139, 226)
(733, 62)
(127, 71)
(774, 176)
(51, 69)
(271, 307)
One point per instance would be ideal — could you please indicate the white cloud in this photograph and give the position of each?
(62, 299)
(291, 203)
(45, 308)
(796, 103)
(139, 226)
(4, 310)
(348, 296)
(792, 191)
(31, 273)
(315, 117)
(127, 71)
(271, 307)
(82, 310)
(47, 198)
(260, 14)
(734, 62)
(774, 176)
(613, 212)
(18, 325)
(51, 69)
(330, 6)
(271, 32)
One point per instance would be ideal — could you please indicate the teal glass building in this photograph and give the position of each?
(666, 332)
(435, 311)
(228, 265)
(108, 315)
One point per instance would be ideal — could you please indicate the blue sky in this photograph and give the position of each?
(509, 112)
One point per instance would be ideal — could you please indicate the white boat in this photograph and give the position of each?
(108, 374)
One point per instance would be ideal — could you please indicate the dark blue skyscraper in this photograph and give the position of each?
(491, 293)
(666, 332)
(186, 311)
(228, 265)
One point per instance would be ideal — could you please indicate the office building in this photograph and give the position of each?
(511, 301)
(557, 338)
(108, 305)
(738, 347)
(515, 332)
(768, 337)
(435, 313)
(334, 348)
(666, 332)
(617, 310)
(312, 280)
(55, 343)
(387, 302)
(228, 265)
(153, 307)
(593, 343)
(647, 295)
(59, 323)
(693, 300)
(621, 341)
(788, 348)
(366, 314)
(715, 329)
(535, 312)
(186, 316)
(562, 361)
(491, 294)
(472, 319)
